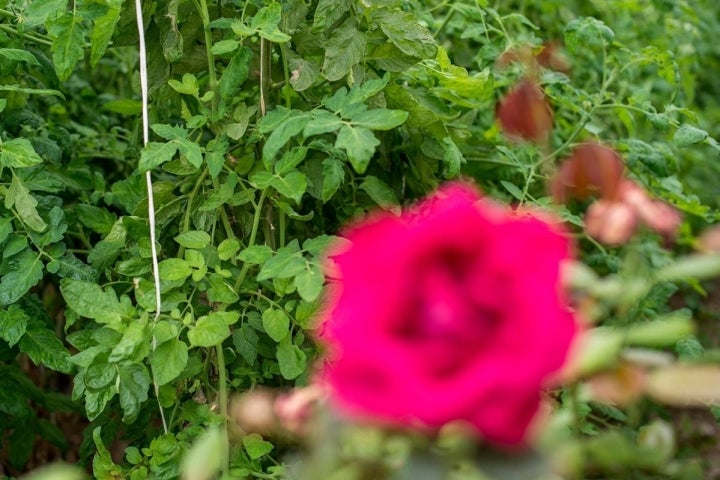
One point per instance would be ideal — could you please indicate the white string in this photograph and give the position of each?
(148, 180)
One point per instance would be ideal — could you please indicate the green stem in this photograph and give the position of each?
(251, 241)
(26, 36)
(188, 209)
(223, 408)
(202, 8)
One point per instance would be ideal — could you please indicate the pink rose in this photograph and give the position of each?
(452, 311)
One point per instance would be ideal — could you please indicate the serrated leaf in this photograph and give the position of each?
(333, 176)
(292, 185)
(155, 154)
(345, 49)
(134, 385)
(290, 159)
(90, 300)
(291, 359)
(191, 151)
(309, 283)
(381, 194)
(514, 191)
(328, 12)
(173, 269)
(72, 267)
(134, 339)
(43, 347)
(255, 254)
(68, 44)
(276, 323)
(380, 119)
(266, 22)
(25, 271)
(322, 122)
(360, 145)
(406, 33)
(19, 55)
(255, 446)
(220, 291)
(13, 323)
(208, 331)
(235, 74)
(194, 239)
(19, 196)
(228, 248)
(283, 265)
(169, 360)
(282, 134)
(39, 11)
(103, 29)
(688, 135)
(246, 343)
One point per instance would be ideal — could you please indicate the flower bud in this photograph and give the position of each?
(524, 113)
(612, 223)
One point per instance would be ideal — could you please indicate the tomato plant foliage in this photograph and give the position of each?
(273, 123)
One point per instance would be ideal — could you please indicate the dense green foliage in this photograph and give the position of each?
(273, 124)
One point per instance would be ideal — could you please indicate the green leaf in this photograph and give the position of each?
(228, 248)
(194, 239)
(19, 197)
(235, 74)
(293, 125)
(322, 122)
(191, 151)
(255, 446)
(329, 12)
(68, 44)
(688, 135)
(514, 191)
(276, 323)
(134, 385)
(103, 29)
(70, 266)
(360, 145)
(380, 119)
(13, 323)
(220, 291)
(188, 86)
(224, 46)
(587, 32)
(26, 270)
(291, 359)
(346, 47)
(290, 159)
(90, 300)
(43, 347)
(284, 264)
(292, 185)
(333, 177)
(381, 194)
(169, 360)
(98, 219)
(155, 154)
(246, 343)
(135, 339)
(255, 254)
(173, 269)
(453, 158)
(19, 56)
(39, 11)
(208, 331)
(309, 283)
(406, 33)
(266, 21)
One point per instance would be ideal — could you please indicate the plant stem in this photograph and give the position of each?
(188, 208)
(26, 36)
(251, 241)
(222, 400)
(202, 8)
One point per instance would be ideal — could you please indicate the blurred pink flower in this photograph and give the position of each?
(452, 311)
